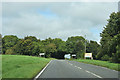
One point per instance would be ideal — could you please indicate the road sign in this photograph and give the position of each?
(41, 54)
(88, 55)
(73, 54)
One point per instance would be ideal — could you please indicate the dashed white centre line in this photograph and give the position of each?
(79, 68)
(70, 64)
(93, 74)
(87, 71)
(76, 66)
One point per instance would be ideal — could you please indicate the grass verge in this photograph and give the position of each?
(19, 66)
(114, 66)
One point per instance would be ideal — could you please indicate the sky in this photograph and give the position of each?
(56, 19)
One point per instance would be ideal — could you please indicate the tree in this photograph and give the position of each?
(32, 38)
(47, 41)
(50, 48)
(80, 49)
(27, 47)
(108, 40)
(115, 48)
(72, 42)
(58, 43)
(8, 42)
(24, 47)
(41, 46)
(35, 49)
(93, 48)
(60, 48)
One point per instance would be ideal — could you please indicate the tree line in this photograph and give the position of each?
(55, 48)
(107, 50)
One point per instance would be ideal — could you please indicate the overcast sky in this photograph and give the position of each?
(56, 20)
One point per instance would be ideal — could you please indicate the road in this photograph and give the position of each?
(73, 69)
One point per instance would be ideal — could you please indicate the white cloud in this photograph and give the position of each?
(72, 19)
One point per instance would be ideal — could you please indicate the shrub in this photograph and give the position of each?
(47, 55)
(105, 58)
(115, 58)
(98, 56)
(9, 51)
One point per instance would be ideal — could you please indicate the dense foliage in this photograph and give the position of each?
(76, 45)
(55, 48)
(108, 49)
(110, 41)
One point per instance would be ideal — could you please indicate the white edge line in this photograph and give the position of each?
(42, 71)
(107, 68)
(103, 67)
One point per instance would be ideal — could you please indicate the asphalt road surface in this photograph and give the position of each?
(73, 69)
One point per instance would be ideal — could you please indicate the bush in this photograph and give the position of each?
(47, 55)
(105, 58)
(115, 58)
(9, 51)
(98, 56)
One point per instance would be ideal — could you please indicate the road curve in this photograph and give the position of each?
(73, 69)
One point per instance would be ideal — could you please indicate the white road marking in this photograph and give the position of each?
(70, 64)
(79, 68)
(87, 71)
(61, 60)
(104, 67)
(115, 70)
(42, 70)
(107, 68)
(75, 66)
(93, 74)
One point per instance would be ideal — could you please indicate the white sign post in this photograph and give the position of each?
(88, 55)
(42, 54)
(73, 55)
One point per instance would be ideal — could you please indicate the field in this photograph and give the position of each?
(19, 66)
(107, 64)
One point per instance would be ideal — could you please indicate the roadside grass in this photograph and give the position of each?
(114, 66)
(19, 66)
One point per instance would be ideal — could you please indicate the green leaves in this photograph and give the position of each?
(75, 45)
(110, 36)
(50, 48)
(8, 42)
